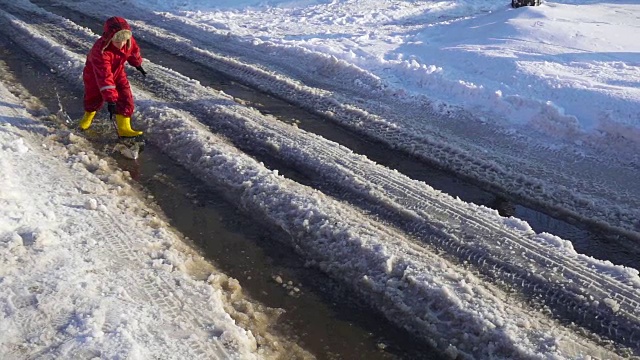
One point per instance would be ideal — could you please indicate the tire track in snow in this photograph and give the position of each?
(158, 291)
(398, 278)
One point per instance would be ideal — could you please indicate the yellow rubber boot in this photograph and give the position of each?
(124, 127)
(87, 119)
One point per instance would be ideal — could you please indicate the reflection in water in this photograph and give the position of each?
(602, 246)
(505, 207)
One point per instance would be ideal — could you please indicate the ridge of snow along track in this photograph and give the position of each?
(438, 299)
(606, 207)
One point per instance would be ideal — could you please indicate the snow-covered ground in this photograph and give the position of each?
(541, 102)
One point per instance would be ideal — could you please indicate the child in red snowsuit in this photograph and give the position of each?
(105, 79)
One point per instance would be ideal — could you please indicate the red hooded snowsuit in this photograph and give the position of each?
(104, 77)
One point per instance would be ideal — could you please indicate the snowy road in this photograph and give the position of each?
(455, 272)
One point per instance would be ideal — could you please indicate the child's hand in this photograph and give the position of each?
(112, 108)
(139, 68)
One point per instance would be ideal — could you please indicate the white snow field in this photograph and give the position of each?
(541, 103)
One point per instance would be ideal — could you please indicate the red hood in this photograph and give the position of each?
(111, 27)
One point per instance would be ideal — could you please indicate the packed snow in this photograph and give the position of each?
(548, 95)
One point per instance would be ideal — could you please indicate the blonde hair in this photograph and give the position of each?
(122, 35)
